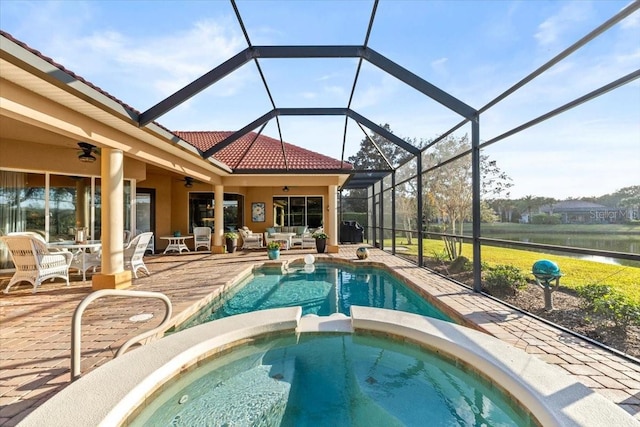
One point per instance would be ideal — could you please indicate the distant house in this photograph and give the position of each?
(581, 212)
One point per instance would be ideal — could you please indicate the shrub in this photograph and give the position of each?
(460, 264)
(546, 219)
(506, 277)
(440, 256)
(592, 293)
(273, 245)
(610, 304)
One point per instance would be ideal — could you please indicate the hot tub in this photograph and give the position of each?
(117, 392)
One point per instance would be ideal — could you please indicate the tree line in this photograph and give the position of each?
(447, 191)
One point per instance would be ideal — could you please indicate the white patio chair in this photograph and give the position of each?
(134, 253)
(33, 261)
(201, 237)
(250, 240)
(126, 237)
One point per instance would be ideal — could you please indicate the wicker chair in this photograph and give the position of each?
(250, 240)
(34, 262)
(202, 237)
(134, 253)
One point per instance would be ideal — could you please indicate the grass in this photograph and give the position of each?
(576, 272)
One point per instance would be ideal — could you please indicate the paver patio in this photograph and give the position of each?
(35, 331)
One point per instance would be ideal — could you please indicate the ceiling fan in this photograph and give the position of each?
(87, 151)
(189, 181)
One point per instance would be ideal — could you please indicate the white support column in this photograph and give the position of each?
(218, 215)
(112, 275)
(332, 207)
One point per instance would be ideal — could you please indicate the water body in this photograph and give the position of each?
(629, 243)
(333, 380)
(327, 289)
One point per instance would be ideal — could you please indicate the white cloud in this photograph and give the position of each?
(631, 21)
(440, 65)
(555, 27)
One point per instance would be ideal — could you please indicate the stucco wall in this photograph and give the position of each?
(36, 157)
(266, 195)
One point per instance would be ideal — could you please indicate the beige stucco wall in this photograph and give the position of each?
(35, 157)
(172, 197)
(266, 195)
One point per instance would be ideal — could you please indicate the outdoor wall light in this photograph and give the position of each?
(188, 181)
(285, 189)
(86, 153)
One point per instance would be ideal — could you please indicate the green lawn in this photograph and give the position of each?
(575, 272)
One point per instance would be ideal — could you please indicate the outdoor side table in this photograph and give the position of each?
(176, 243)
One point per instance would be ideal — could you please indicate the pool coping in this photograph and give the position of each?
(110, 393)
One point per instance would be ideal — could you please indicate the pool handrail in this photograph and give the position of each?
(76, 322)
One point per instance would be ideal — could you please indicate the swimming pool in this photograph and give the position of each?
(332, 380)
(329, 288)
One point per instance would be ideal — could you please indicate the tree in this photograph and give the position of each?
(447, 190)
(450, 186)
(530, 203)
(368, 158)
(627, 197)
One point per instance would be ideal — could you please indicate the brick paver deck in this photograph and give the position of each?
(35, 329)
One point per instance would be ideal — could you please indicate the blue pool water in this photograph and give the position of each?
(331, 380)
(329, 289)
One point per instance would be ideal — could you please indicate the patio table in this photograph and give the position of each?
(82, 254)
(284, 238)
(176, 243)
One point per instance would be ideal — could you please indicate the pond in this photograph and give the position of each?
(629, 243)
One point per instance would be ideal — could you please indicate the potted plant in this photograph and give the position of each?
(273, 249)
(231, 240)
(321, 240)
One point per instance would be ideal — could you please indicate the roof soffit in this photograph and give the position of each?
(87, 101)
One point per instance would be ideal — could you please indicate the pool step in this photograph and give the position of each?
(256, 397)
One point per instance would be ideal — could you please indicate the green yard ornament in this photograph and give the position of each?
(545, 271)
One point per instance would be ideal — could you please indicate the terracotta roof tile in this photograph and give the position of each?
(263, 153)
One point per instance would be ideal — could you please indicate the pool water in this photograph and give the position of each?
(327, 290)
(331, 380)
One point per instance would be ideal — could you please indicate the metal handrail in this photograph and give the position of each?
(76, 322)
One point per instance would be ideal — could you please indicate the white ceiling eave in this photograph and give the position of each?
(31, 71)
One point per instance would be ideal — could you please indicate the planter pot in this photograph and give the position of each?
(321, 245)
(273, 253)
(232, 244)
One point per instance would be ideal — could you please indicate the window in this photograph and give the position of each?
(300, 210)
(201, 214)
(52, 205)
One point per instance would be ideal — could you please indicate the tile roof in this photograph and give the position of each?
(263, 153)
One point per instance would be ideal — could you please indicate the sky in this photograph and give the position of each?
(143, 51)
